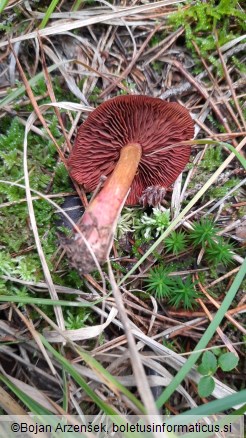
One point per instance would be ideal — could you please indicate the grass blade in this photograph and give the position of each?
(3, 3)
(94, 364)
(46, 301)
(48, 13)
(79, 379)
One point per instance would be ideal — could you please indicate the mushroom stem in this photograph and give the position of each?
(100, 219)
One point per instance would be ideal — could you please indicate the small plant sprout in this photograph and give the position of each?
(184, 293)
(76, 321)
(176, 242)
(209, 365)
(220, 252)
(126, 222)
(159, 282)
(203, 233)
(178, 292)
(155, 224)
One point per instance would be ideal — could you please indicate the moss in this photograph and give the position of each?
(239, 65)
(16, 237)
(157, 39)
(201, 19)
(212, 159)
(95, 94)
(157, 67)
(222, 190)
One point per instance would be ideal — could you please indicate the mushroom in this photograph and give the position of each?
(125, 139)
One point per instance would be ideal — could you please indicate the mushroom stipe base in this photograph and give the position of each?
(100, 219)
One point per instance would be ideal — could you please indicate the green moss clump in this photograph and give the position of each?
(201, 19)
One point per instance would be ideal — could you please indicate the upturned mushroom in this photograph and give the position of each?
(129, 140)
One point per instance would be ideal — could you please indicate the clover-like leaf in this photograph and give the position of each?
(209, 363)
(206, 386)
(203, 370)
(228, 361)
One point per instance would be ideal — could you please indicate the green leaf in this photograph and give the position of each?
(202, 370)
(228, 361)
(216, 351)
(209, 362)
(206, 386)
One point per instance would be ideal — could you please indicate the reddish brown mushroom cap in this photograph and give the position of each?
(153, 123)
